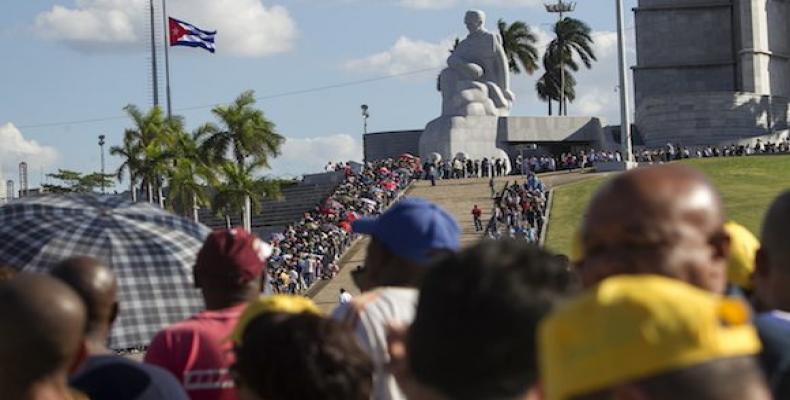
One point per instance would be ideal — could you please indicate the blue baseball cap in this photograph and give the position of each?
(413, 229)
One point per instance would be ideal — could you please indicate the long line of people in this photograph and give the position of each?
(309, 250)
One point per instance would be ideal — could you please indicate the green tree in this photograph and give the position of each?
(572, 40)
(131, 154)
(244, 132)
(239, 188)
(548, 88)
(148, 149)
(192, 175)
(76, 182)
(518, 42)
(251, 141)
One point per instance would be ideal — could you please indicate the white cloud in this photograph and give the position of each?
(14, 148)
(428, 4)
(443, 4)
(310, 155)
(244, 27)
(405, 55)
(597, 90)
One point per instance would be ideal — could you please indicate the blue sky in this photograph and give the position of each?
(77, 60)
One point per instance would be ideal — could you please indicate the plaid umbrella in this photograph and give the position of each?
(151, 252)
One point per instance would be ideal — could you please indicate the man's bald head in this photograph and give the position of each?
(96, 285)
(666, 220)
(41, 328)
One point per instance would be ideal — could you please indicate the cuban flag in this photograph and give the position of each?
(185, 34)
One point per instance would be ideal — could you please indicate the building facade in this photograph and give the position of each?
(712, 71)
(552, 135)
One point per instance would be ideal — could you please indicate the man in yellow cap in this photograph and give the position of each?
(743, 250)
(648, 337)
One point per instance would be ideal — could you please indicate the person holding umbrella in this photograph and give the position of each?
(228, 272)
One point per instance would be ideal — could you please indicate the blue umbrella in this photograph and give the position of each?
(151, 251)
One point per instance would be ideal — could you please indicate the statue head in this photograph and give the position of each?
(475, 20)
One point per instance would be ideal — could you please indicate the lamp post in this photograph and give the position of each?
(365, 116)
(101, 151)
(561, 8)
(625, 116)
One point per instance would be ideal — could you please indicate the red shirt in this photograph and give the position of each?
(476, 212)
(198, 352)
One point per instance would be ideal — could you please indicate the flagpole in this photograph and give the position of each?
(153, 55)
(167, 57)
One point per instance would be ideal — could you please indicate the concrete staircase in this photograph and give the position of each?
(277, 214)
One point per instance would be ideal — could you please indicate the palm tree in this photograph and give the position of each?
(131, 162)
(519, 44)
(241, 192)
(148, 149)
(250, 139)
(572, 40)
(191, 175)
(548, 88)
(137, 140)
(245, 133)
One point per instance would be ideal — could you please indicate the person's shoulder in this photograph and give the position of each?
(108, 374)
(378, 304)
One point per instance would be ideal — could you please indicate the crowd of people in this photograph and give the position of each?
(672, 152)
(461, 168)
(587, 158)
(661, 298)
(309, 250)
(518, 211)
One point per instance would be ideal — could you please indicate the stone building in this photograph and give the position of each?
(712, 71)
(551, 135)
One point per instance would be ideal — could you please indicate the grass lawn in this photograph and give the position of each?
(747, 184)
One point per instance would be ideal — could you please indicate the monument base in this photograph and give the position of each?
(473, 137)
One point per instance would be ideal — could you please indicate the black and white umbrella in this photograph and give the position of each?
(151, 251)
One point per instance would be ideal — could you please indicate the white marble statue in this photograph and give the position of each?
(477, 81)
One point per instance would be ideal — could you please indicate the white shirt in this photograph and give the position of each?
(345, 297)
(369, 314)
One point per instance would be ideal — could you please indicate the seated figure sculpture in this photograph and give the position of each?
(476, 81)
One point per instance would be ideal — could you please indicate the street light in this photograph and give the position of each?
(365, 116)
(101, 150)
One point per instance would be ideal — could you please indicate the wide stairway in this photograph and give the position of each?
(457, 197)
(275, 215)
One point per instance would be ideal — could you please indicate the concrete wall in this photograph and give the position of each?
(710, 118)
(550, 129)
(675, 50)
(510, 131)
(383, 145)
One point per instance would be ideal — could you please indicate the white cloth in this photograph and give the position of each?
(345, 297)
(369, 315)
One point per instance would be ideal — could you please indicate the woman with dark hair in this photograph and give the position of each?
(286, 356)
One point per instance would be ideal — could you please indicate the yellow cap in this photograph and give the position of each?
(631, 327)
(743, 250)
(577, 248)
(279, 303)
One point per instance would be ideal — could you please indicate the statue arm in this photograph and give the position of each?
(467, 69)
